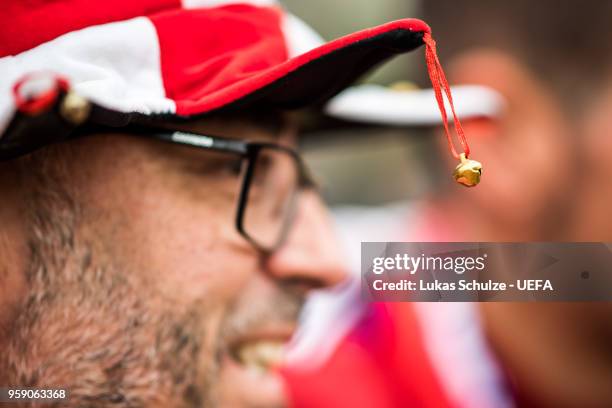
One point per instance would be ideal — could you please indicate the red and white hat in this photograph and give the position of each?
(158, 60)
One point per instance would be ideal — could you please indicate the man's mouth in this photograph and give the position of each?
(262, 350)
(249, 375)
(260, 355)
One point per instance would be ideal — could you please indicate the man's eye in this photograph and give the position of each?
(233, 167)
(262, 169)
(221, 167)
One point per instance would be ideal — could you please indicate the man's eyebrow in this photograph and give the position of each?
(269, 122)
(239, 129)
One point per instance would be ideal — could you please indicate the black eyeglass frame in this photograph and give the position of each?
(247, 150)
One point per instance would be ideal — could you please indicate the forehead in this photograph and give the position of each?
(245, 125)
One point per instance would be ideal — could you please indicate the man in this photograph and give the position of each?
(159, 232)
(127, 283)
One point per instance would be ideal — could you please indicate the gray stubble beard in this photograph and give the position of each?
(85, 327)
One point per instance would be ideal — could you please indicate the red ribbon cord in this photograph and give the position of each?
(439, 83)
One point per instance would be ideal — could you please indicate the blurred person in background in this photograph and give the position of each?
(546, 160)
(552, 67)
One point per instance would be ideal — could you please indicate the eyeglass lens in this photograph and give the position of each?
(274, 184)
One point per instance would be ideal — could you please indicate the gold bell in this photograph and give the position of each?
(468, 172)
(75, 109)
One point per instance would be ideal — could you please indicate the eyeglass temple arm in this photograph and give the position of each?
(202, 141)
(224, 145)
(230, 146)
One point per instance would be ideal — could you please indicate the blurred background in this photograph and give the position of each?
(547, 165)
(545, 155)
(333, 19)
(374, 155)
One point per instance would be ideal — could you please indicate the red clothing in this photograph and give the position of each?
(382, 364)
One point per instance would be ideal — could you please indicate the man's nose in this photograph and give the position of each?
(311, 251)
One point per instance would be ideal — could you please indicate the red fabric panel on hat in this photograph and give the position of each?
(207, 50)
(26, 24)
(213, 57)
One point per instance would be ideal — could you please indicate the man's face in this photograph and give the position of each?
(140, 291)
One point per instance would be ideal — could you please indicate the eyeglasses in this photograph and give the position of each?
(272, 178)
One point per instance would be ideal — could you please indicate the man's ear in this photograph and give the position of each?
(482, 128)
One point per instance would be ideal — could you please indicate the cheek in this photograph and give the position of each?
(184, 246)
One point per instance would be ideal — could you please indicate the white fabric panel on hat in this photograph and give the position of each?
(380, 105)
(299, 36)
(116, 65)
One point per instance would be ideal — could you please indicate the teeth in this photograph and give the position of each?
(260, 356)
